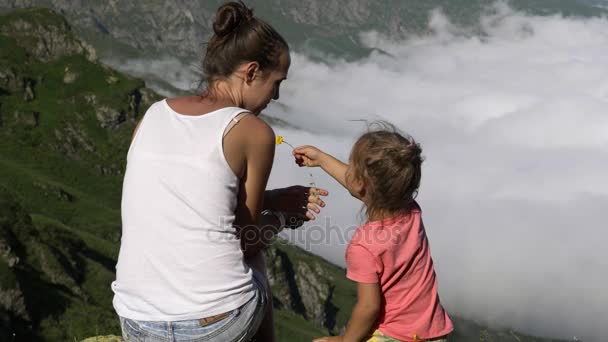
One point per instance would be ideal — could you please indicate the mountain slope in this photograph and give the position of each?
(64, 125)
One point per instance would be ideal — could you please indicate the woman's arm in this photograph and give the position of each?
(364, 315)
(258, 146)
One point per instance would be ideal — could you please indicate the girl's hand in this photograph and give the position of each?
(308, 156)
(329, 339)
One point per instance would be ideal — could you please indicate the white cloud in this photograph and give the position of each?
(514, 126)
(165, 74)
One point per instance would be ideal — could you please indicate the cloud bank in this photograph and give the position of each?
(514, 127)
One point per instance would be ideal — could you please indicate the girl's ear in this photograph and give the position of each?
(358, 187)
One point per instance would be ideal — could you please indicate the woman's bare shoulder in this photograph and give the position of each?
(254, 129)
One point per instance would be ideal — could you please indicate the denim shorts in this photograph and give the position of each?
(240, 325)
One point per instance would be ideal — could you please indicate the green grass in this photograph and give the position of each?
(293, 328)
(40, 161)
(68, 249)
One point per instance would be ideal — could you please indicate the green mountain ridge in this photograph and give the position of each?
(65, 127)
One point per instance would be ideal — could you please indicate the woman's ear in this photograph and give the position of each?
(252, 71)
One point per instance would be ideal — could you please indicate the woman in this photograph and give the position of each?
(195, 213)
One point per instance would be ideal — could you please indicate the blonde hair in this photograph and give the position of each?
(389, 165)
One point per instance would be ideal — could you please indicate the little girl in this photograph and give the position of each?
(389, 256)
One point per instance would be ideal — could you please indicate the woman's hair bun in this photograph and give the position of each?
(230, 16)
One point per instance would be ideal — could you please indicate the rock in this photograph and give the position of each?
(6, 253)
(134, 101)
(80, 136)
(314, 290)
(281, 278)
(148, 97)
(28, 90)
(30, 119)
(301, 287)
(109, 338)
(10, 81)
(69, 76)
(11, 300)
(90, 51)
(47, 40)
(91, 99)
(71, 140)
(109, 117)
(65, 196)
(111, 170)
(111, 79)
(55, 191)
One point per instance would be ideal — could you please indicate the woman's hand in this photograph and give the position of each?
(298, 200)
(329, 339)
(308, 156)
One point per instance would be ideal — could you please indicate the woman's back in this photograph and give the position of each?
(180, 256)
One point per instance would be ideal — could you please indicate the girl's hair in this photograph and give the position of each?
(389, 165)
(240, 37)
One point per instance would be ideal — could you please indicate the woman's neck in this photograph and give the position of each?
(225, 92)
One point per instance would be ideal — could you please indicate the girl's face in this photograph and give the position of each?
(265, 85)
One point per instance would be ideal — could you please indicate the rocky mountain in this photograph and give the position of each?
(65, 126)
(120, 28)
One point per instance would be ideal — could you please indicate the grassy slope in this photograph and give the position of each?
(31, 151)
(68, 261)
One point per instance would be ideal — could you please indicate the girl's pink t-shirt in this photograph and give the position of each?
(395, 253)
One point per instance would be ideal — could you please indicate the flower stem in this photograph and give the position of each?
(290, 145)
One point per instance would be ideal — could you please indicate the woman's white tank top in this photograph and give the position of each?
(180, 257)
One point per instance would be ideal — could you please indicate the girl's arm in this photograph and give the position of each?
(313, 157)
(364, 315)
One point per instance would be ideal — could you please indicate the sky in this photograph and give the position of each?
(514, 130)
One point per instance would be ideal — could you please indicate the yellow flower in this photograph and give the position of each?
(280, 141)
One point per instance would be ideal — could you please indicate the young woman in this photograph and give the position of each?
(195, 213)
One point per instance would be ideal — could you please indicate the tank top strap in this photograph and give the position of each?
(235, 116)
